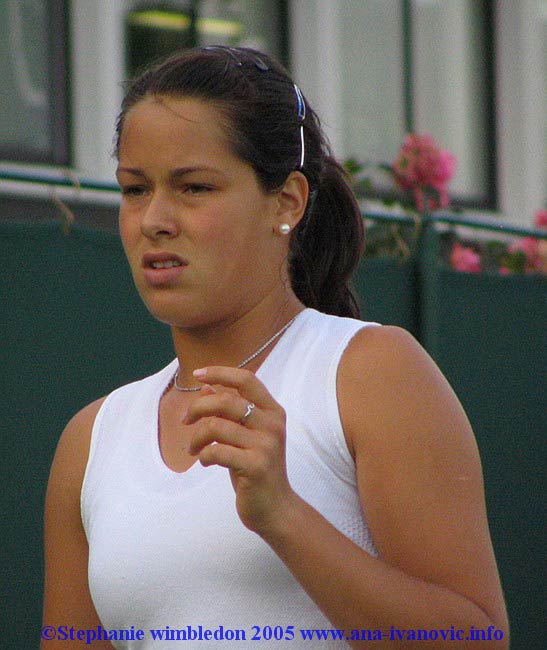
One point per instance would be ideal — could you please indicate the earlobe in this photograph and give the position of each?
(292, 201)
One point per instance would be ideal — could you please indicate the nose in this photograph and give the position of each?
(159, 219)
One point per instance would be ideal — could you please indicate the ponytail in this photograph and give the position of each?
(327, 245)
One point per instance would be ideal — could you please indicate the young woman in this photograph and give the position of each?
(293, 468)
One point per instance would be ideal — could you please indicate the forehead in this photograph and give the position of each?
(162, 123)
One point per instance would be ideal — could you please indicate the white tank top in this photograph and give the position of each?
(167, 550)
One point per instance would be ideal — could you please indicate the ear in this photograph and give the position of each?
(292, 200)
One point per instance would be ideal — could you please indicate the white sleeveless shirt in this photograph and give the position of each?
(168, 551)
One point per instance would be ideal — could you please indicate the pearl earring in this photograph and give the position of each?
(284, 229)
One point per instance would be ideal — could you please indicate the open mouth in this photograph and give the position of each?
(168, 264)
(162, 260)
(162, 268)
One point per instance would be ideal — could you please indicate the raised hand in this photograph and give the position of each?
(241, 427)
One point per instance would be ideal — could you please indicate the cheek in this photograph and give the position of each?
(127, 223)
(128, 233)
(221, 235)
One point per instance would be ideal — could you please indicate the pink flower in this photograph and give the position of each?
(441, 170)
(528, 246)
(420, 166)
(465, 259)
(541, 219)
(504, 270)
(541, 263)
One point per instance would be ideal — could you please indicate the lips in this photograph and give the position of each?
(162, 260)
(162, 268)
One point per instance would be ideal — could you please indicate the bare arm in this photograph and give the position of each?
(420, 482)
(67, 601)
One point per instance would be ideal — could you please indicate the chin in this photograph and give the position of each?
(179, 313)
(163, 307)
(171, 315)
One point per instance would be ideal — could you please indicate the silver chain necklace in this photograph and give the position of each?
(184, 389)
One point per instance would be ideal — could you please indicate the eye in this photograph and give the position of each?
(133, 190)
(197, 188)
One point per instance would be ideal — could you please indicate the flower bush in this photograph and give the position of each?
(424, 170)
(518, 255)
(465, 259)
(418, 181)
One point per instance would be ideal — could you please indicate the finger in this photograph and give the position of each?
(227, 456)
(228, 405)
(220, 431)
(244, 381)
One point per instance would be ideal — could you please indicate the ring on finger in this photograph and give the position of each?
(247, 414)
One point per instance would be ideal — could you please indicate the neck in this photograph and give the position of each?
(229, 342)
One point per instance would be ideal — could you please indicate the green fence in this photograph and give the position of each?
(387, 286)
(72, 329)
(488, 334)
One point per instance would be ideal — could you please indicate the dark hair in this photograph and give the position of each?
(260, 102)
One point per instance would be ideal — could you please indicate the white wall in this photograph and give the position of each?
(316, 61)
(521, 108)
(97, 70)
(449, 78)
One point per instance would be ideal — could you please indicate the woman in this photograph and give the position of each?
(290, 470)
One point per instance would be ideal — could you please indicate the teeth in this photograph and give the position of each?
(168, 264)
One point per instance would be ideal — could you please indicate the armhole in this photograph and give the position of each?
(95, 433)
(332, 401)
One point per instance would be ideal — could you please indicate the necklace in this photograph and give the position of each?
(243, 363)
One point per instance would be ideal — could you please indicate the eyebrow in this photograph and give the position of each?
(175, 173)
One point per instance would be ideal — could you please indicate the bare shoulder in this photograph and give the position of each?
(387, 382)
(81, 423)
(69, 464)
(386, 351)
(73, 448)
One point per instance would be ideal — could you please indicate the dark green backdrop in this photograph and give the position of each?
(72, 329)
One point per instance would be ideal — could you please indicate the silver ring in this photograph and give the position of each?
(248, 411)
